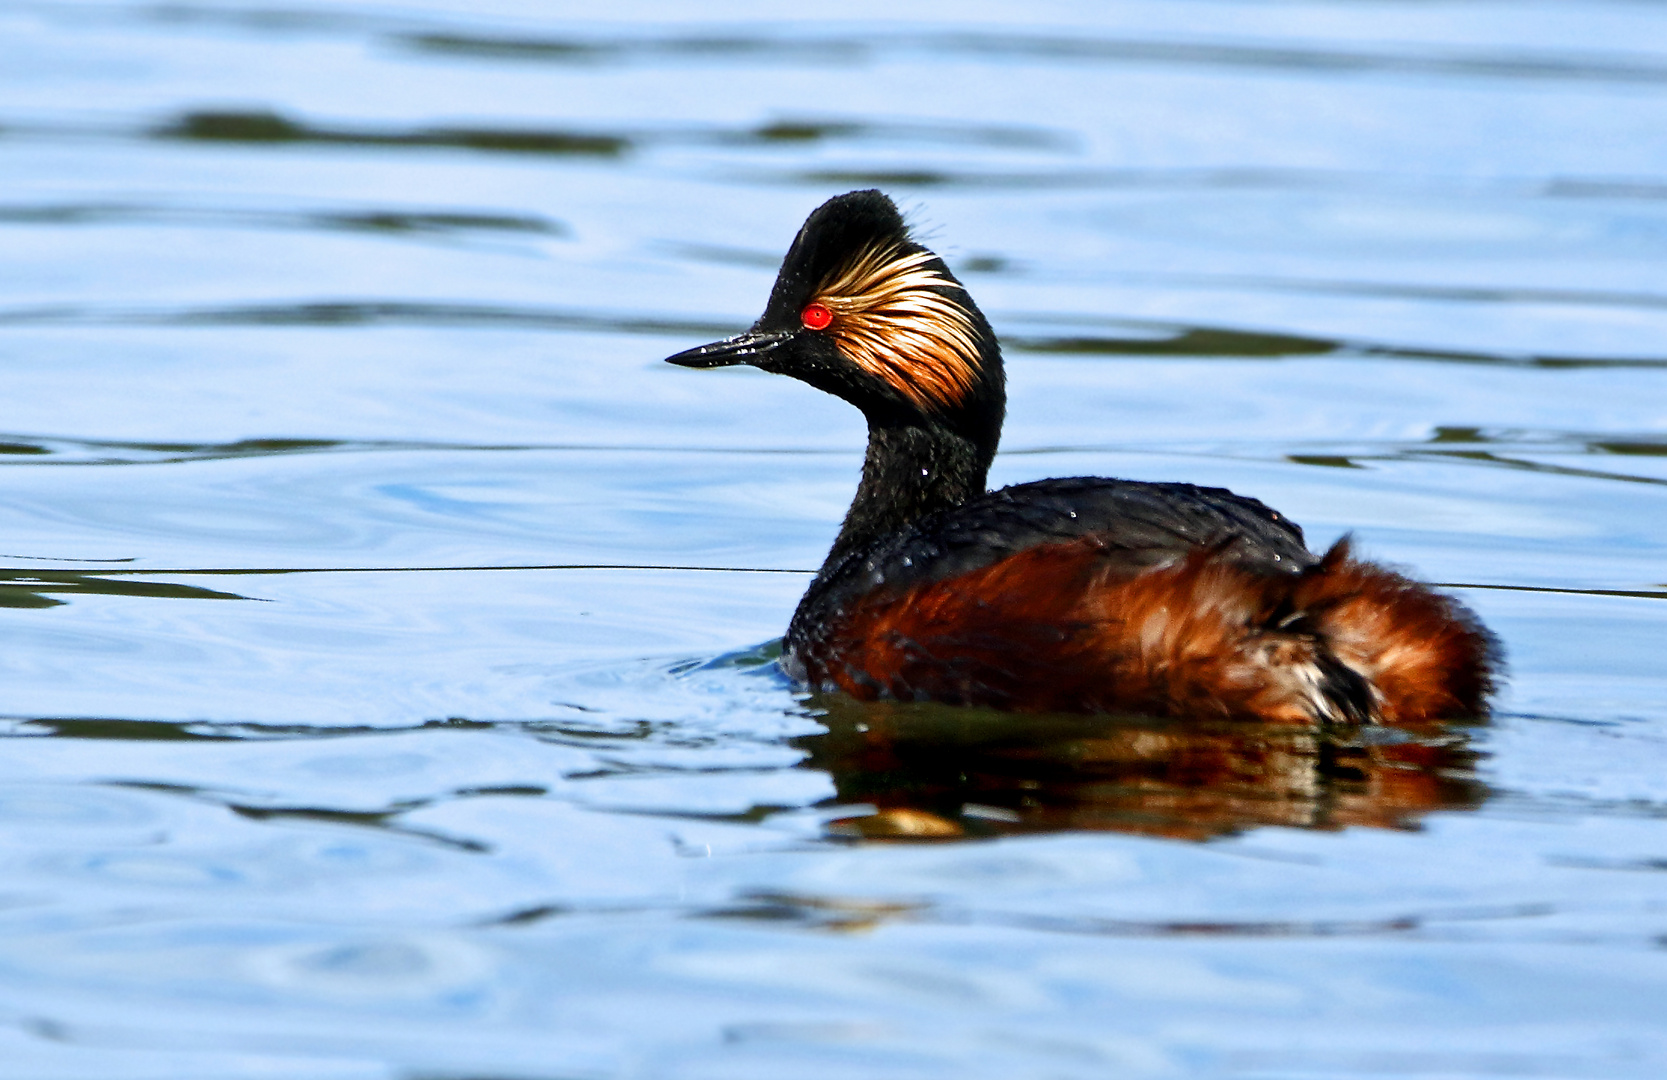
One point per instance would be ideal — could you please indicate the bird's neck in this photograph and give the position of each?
(910, 471)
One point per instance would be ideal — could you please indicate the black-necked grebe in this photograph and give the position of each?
(1084, 594)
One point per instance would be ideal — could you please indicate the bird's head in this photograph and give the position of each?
(861, 310)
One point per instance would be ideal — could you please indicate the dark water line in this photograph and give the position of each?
(1574, 187)
(852, 50)
(1416, 452)
(1394, 290)
(1485, 458)
(442, 39)
(400, 223)
(1318, 928)
(129, 729)
(355, 819)
(275, 20)
(35, 572)
(1643, 594)
(42, 450)
(1184, 341)
(339, 313)
(1214, 343)
(1449, 444)
(14, 572)
(31, 588)
(1423, 452)
(386, 818)
(851, 914)
(1559, 66)
(406, 220)
(1184, 180)
(1214, 179)
(266, 127)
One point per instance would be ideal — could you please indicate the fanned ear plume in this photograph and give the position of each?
(890, 320)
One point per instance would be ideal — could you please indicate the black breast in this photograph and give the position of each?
(1141, 525)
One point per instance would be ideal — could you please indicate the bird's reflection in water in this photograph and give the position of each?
(932, 771)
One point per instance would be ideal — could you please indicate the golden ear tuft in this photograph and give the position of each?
(891, 322)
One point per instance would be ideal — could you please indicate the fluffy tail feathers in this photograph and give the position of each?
(1067, 627)
(1425, 655)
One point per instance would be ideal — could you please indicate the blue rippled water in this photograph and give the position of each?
(386, 634)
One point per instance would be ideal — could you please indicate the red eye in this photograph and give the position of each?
(816, 317)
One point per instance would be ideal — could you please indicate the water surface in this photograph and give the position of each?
(387, 633)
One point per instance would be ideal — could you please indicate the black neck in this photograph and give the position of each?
(911, 470)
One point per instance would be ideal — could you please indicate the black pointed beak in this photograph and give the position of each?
(746, 348)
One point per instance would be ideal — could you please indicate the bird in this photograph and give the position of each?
(1076, 594)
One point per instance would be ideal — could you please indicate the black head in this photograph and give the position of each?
(861, 310)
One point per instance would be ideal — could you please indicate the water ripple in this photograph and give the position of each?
(40, 588)
(839, 48)
(846, 914)
(268, 127)
(271, 128)
(1637, 68)
(370, 313)
(387, 222)
(1148, 339)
